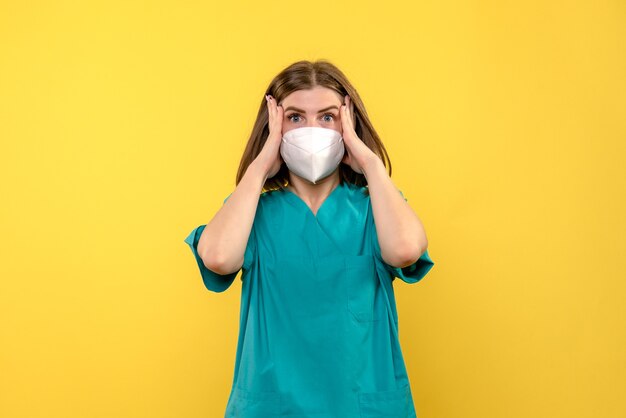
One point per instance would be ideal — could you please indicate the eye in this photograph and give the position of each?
(331, 115)
(292, 115)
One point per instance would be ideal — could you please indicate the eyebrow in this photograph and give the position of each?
(319, 111)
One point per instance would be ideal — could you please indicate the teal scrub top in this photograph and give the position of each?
(318, 332)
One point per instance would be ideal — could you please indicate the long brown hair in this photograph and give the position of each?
(303, 75)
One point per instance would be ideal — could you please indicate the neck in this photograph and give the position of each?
(313, 193)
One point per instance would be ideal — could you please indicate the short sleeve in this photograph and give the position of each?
(416, 271)
(409, 274)
(213, 281)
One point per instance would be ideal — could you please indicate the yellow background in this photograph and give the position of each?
(122, 124)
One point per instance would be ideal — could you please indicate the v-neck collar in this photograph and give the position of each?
(299, 203)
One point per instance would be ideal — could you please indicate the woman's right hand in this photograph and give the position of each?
(269, 158)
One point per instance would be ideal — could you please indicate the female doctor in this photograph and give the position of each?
(320, 232)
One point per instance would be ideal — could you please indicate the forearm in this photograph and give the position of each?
(223, 242)
(401, 235)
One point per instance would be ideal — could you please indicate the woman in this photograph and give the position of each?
(320, 232)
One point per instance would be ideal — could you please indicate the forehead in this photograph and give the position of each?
(312, 98)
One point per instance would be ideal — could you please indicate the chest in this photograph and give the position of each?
(331, 230)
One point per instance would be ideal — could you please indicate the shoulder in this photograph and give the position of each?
(271, 201)
(356, 202)
(357, 197)
(355, 192)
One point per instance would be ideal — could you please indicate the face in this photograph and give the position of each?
(317, 107)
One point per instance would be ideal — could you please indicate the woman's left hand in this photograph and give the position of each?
(357, 153)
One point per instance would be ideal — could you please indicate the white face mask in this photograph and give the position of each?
(312, 152)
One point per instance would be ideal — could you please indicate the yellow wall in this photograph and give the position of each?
(121, 127)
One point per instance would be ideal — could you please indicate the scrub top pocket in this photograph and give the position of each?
(387, 404)
(363, 288)
(246, 404)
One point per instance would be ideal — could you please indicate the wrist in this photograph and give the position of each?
(257, 171)
(371, 165)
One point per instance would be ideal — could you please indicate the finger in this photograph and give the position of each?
(271, 107)
(345, 118)
(274, 108)
(279, 119)
(349, 103)
(350, 106)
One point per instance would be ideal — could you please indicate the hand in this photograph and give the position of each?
(357, 153)
(269, 158)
